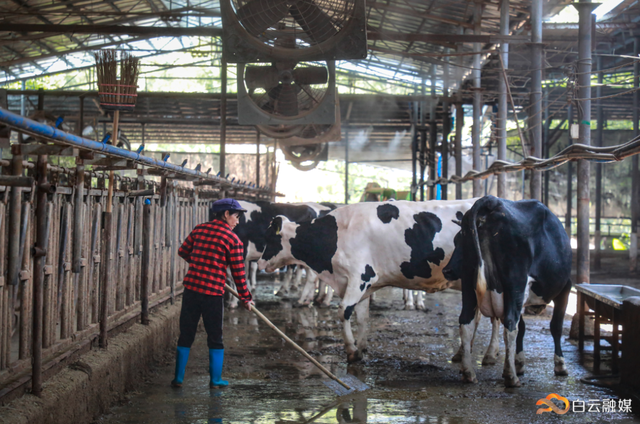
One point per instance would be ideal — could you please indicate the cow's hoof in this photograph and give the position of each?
(409, 307)
(520, 368)
(469, 377)
(281, 293)
(293, 289)
(489, 360)
(563, 372)
(457, 357)
(303, 304)
(511, 381)
(354, 357)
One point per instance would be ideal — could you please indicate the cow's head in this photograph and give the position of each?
(464, 257)
(452, 271)
(277, 251)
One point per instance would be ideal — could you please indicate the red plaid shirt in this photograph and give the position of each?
(209, 249)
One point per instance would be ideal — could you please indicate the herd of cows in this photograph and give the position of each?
(501, 255)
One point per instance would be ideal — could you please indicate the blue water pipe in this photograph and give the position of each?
(35, 128)
(439, 171)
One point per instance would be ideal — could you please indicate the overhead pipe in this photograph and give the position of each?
(29, 126)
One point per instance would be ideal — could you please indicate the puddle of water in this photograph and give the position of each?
(407, 365)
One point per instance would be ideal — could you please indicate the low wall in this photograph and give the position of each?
(100, 378)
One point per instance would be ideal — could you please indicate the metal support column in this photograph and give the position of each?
(433, 135)
(635, 174)
(414, 152)
(422, 148)
(599, 143)
(567, 218)
(502, 99)
(535, 112)
(545, 144)
(346, 167)
(584, 121)
(458, 146)
(446, 128)
(477, 100)
(257, 158)
(223, 117)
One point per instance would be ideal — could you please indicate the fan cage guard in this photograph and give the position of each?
(240, 46)
(117, 96)
(250, 112)
(338, 13)
(307, 98)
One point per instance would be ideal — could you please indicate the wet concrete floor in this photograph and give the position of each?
(407, 366)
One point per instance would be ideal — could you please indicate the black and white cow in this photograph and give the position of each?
(292, 284)
(253, 226)
(360, 248)
(510, 255)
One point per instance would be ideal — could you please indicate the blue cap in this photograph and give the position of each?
(226, 205)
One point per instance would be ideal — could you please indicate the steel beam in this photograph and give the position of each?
(163, 31)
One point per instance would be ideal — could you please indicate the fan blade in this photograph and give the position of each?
(261, 77)
(312, 20)
(287, 101)
(258, 15)
(310, 75)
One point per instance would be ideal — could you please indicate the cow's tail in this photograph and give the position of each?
(481, 280)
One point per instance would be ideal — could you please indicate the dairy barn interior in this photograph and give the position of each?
(122, 122)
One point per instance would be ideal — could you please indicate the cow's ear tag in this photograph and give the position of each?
(278, 232)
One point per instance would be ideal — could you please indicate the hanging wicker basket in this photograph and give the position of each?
(117, 93)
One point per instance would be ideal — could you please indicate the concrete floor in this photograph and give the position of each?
(407, 365)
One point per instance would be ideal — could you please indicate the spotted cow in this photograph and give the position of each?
(509, 255)
(253, 226)
(360, 248)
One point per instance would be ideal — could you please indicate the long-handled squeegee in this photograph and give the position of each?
(348, 384)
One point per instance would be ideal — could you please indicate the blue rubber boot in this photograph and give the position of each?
(216, 358)
(182, 356)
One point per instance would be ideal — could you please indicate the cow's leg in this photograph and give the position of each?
(233, 302)
(253, 271)
(321, 293)
(559, 309)
(326, 302)
(351, 297)
(510, 335)
(491, 356)
(520, 359)
(286, 283)
(407, 295)
(458, 356)
(362, 318)
(467, 333)
(420, 300)
(297, 281)
(306, 297)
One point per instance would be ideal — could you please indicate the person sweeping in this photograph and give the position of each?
(210, 249)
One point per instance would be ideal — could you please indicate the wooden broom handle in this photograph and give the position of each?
(291, 342)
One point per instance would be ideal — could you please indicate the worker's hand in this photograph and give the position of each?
(247, 305)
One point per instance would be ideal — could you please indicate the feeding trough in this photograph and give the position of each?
(606, 302)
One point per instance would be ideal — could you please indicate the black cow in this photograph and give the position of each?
(510, 255)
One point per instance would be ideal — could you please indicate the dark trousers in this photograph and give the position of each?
(211, 308)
